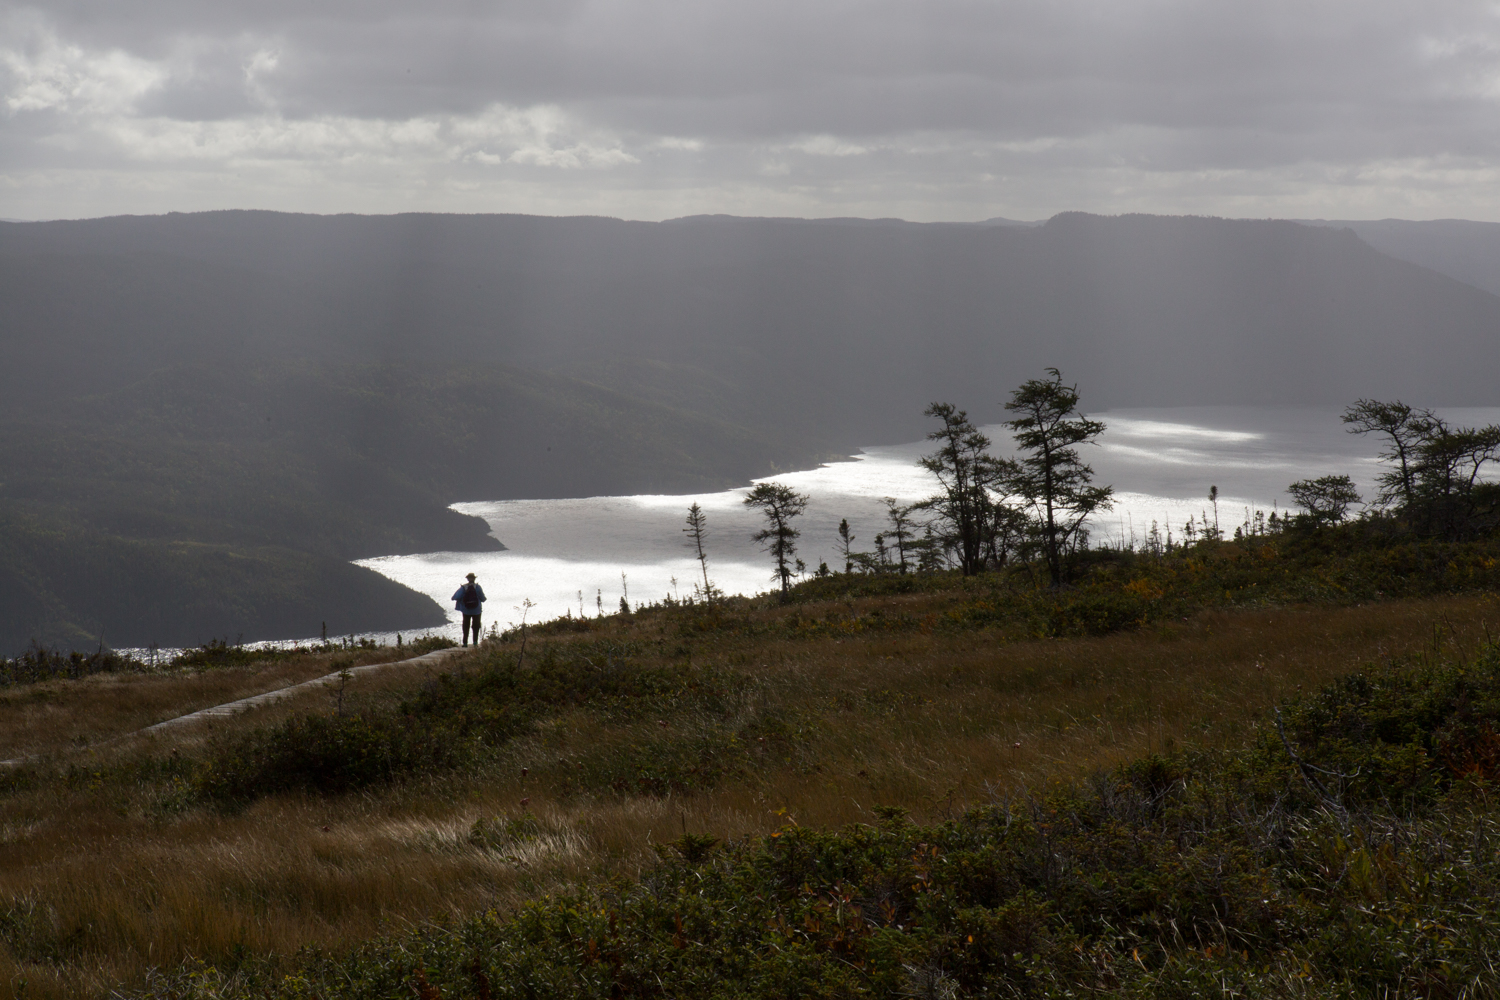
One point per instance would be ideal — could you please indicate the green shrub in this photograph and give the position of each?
(451, 722)
(1401, 735)
(42, 664)
(429, 644)
(317, 753)
(220, 653)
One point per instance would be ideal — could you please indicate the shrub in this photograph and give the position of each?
(451, 722)
(42, 664)
(429, 644)
(329, 754)
(219, 653)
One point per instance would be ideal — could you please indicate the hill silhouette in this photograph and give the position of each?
(1464, 250)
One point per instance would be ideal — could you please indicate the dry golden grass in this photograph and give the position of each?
(56, 716)
(929, 722)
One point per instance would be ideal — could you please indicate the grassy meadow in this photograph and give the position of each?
(520, 825)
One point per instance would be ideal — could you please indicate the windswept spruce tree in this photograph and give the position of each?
(697, 532)
(1405, 427)
(1326, 499)
(1051, 477)
(973, 484)
(846, 544)
(1435, 485)
(902, 534)
(1452, 501)
(779, 504)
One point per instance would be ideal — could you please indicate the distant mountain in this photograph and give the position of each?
(1002, 221)
(303, 390)
(1466, 251)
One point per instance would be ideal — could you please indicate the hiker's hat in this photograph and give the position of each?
(471, 576)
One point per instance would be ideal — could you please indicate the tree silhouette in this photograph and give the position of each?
(1405, 427)
(1050, 475)
(901, 532)
(846, 541)
(967, 508)
(779, 504)
(1436, 484)
(697, 532)
(1448, 496)
(1326, 499)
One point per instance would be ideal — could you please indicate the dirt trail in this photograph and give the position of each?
(270, 697)
(280, 694)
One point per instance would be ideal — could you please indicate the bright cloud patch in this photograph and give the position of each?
(96, 97)
(827, 145)
(499, 136)
(49, 75)
(540, 136)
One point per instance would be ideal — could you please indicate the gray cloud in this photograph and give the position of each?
(943, 109)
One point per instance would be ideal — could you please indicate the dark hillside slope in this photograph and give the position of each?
(325, 386)
(86, 323)
(1463, 250)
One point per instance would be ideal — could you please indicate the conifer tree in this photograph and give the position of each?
(901, 532)
(1050, 475)
(1436, 484)
(697, 532)
(1405, 427)
(1449, 497)
(779, 504)
(970, 478)
(1326, 499)
(846, 541)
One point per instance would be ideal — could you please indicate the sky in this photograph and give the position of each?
(929, 110)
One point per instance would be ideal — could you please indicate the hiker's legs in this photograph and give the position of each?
(471, 621)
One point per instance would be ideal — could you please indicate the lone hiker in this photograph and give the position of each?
(470, 600)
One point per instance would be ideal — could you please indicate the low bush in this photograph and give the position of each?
(455, 719)
(42, 664)
(329, 754)
(223, 653)
(429, 644)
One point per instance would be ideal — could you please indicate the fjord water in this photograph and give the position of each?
(582, 555)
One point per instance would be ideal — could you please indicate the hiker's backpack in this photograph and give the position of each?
(471, 597)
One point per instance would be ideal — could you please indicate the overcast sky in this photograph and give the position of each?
(648, 109)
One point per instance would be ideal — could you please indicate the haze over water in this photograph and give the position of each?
(569, 555)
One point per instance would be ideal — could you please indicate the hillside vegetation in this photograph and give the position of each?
(893, 785)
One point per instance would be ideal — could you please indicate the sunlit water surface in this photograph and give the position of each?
(580, 556)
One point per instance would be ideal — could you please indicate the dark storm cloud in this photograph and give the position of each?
(960, 92)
